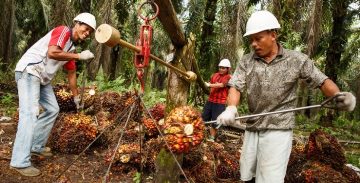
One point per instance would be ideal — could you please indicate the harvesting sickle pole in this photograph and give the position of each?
(324, 104)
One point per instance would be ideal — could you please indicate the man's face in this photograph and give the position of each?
(82, 31)
(223, 70)
(263, 43)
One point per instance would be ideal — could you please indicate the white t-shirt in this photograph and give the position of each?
(36, 61)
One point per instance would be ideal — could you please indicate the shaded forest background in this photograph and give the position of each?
(327, 30)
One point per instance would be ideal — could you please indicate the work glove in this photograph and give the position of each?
(227, 118)
(207, 84)
(86, 55)
(346, 101)
(77, 101)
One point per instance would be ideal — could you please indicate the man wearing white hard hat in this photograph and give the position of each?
(218, 94)
(268, 76)
(33, 74)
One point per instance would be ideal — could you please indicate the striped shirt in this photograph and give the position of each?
(219, 95)
(36, 61)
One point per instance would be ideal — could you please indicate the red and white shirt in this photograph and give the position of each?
(219, 95)
(36, 61)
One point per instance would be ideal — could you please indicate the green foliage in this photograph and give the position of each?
(8, 104)
(294, 41)
(353, 158)
(7, 99)
(115, 85)
(152, 97)
(137, 177)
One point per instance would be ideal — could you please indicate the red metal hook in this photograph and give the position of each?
(141, 59)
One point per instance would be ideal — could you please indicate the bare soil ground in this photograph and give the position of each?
(88, 168)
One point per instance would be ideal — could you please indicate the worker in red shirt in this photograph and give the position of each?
(218, 94)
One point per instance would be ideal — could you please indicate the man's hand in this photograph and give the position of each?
(227, 118)
(77, 101)
(86, 55)
(207, 84)
(346, 101)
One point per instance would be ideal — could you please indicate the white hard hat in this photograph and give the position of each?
(86, 18)
(225, 63)
(260, 21)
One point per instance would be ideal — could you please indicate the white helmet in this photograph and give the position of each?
(260, 21)
(86, 18)
(225, 63)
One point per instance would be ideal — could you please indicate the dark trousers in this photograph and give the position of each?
(211, 111)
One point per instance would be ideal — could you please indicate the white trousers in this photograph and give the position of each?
(265, 155)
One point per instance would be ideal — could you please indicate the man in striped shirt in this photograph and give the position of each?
(33, 74)
(218, 94)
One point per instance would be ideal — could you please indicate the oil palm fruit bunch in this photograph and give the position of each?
(202, 160)
(73, 132)
(228, 168)
(125, 154)
(296, 162)
(118, 104)
(325, 148)
(150, 125)
(129, 99)
(64, 98)
(183, 129)
(105, 127)
(152, 148)
(318, 172)
(157, 111)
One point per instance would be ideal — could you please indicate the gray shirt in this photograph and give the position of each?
(272, 86)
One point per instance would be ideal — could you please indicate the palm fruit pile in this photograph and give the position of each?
(157, 113)
(322, 160)
(152, 149)
(183, 129)
(326, 149)
(72, 133)
(118, 105)
(127, 156)
(150, 125)
(228, 166)
(200, 163)
(65, 98)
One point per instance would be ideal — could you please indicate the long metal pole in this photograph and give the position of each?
(323, 104)
(274, 112)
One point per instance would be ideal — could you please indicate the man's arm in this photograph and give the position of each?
(329, 88)
(72, 82)
(233, 98)
(56, 53)
(216, 85)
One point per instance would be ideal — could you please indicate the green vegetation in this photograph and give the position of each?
(8, 104)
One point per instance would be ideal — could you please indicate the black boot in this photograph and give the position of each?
(250, 181)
